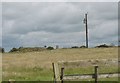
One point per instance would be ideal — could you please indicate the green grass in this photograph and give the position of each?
(108, 79)
(90, 70)
(28, 74)
(40, 74)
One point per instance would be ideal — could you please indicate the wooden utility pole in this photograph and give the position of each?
(86, 25)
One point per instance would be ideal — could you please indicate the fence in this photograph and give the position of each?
(60, 77)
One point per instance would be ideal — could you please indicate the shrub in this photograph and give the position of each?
(13, 50)
(74, 47)
(50, 48)
(82, 46)
(103, 46)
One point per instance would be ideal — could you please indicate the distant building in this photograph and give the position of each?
(57, 46)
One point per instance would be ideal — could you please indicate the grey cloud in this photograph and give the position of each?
(0, 24)
(33, 24)
(44, 38)
(10, 41)
(52, 17)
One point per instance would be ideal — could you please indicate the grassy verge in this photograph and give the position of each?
(90, 70)
(41, 74)
(29, 74)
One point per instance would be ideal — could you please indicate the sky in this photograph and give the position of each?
(31, 24)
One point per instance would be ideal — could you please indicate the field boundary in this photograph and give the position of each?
(87, 76)
(96, 75)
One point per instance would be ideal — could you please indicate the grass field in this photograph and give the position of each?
(38, 65)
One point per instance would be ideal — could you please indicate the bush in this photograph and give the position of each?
(50, 48)
(27, 49)
(103, 46)
(83, 46)
(75, 47)
(14, 50)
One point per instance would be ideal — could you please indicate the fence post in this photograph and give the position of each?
(56, 72)
(96, 74)
(62, 73)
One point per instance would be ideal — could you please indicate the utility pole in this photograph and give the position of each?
(86, 25)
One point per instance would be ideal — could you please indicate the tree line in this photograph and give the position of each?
(30, 49)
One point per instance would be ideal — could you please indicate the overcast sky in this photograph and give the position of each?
(58, 23)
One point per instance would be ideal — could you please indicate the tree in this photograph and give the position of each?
(3, 50)
(45, 46)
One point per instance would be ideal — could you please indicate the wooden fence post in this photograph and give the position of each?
(62, 73)
(96, 74)
(56, 72)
